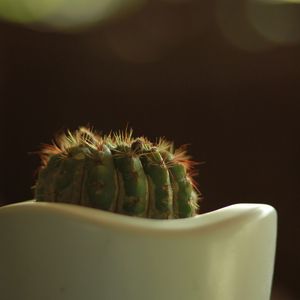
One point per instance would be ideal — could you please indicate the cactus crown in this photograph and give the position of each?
(118, 173)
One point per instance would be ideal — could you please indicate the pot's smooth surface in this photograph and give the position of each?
(61, 251)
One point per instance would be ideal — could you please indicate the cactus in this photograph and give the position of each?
(118, 173)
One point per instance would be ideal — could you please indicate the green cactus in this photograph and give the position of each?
(118, 173)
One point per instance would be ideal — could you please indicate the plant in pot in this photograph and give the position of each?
(133, 231)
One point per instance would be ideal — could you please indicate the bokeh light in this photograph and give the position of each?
(279, 1)
(157, 31)
(258, 25)
(64, 14)
(276, 20)
(232, 19)
(145, 39)
(26, 11)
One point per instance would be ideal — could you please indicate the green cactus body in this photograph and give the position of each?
(184, 194)
(160, 190)
(133, 198)
(101, 180)
(118, 173)
(45, 189)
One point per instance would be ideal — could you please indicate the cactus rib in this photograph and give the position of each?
(118, 173)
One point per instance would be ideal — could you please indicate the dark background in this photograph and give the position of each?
(169, 69)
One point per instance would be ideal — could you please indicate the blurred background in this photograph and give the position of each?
(220, 75)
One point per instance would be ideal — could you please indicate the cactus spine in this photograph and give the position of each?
(118, 173)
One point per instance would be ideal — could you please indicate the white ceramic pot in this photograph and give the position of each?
(63, 251)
